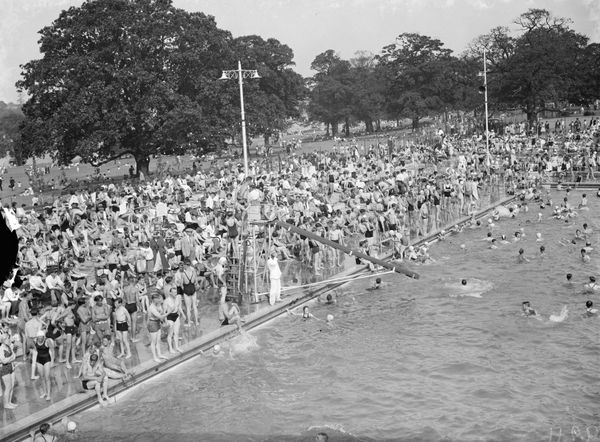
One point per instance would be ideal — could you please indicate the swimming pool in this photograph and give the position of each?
(441, 367)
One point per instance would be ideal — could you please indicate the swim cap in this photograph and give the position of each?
(217, 348)
(378, 280)
(329, 318)
(463, 282)
(71, 426)
(589, 304)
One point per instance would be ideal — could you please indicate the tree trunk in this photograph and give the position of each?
(334, 129)
(267, 139)
(415, 123)
(347, 128)
(327, 130)
(369, 126)
(142, 164)
(378, 125)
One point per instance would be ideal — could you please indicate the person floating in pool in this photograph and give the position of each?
(589, 308)
(521, 258)
(528, 310)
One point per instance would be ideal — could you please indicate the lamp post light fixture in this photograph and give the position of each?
(240, 74)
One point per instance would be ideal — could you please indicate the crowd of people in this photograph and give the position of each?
(101, 268)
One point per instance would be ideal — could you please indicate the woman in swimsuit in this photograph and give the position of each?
(155, 317)
(44, 360)
(7, 357)
(174, 312)
(94, 377)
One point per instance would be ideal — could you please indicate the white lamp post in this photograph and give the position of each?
(240, 74)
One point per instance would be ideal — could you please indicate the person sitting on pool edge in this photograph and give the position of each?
(589, 308)
(229, 314)
(527, 310)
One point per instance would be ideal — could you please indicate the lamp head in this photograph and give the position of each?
(223, 76)
(255, 74)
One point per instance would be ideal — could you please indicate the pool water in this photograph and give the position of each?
(439, 367)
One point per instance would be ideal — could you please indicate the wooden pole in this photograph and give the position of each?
(399, 268)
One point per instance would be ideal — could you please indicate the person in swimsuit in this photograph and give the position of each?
(229, 312)
(7, 357)
(70, 330)
(101, 317)
(122, 321)
(174, 312)
(306, 315)
(131, 298)
(85, 318)
(44, 360)
(189, 278)
(114, 367)
(94, 377)
(527, 310)
(155, 317)
(44, 436)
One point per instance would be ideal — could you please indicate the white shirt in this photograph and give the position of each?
(274, 270)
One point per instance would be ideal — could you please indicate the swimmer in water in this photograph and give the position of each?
(589, 308)
(306, 315)
(527, 310)
(376, 285)
(583, 202)
(503, 240)
(584, 256)
(540, 216)
(521, 258)
(569, 279)
(330, 298)
(592, 285)
(493, 244)
(542, 252)
(517, 237)
(538, 237)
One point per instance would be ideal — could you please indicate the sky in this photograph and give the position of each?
(309, 27)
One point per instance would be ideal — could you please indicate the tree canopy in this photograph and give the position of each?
(139, 77)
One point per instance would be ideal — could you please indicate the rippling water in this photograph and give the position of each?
(436, 368)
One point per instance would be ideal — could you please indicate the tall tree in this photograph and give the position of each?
(414, 67)
(277, 96)
(545, 62)
(124, 77)
(331, 91)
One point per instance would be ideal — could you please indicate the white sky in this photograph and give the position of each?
(309, 27)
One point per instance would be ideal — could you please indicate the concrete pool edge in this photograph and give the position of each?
(24, 428)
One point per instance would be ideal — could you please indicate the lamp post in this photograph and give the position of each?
(487, 133)
(240, 74)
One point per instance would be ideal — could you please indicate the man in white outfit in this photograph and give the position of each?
(275, 278)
